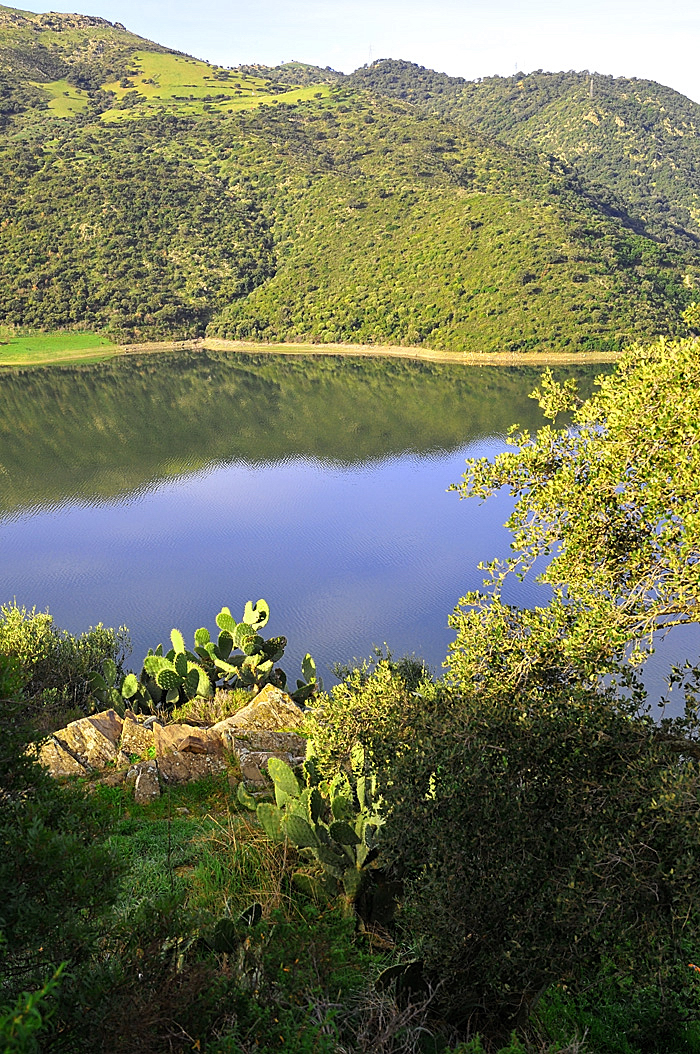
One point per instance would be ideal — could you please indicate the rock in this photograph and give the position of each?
(147, 787)
(182, 767)
(278, 743)
(271, 710)
(167, 738)
(59, 761)
(134, 772)
(109, 723)
(253, 764)
(92, 740)
(136, 737)
(112, 779)
(205, 742)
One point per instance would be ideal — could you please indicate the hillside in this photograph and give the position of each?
(149, 194)
(635, 138)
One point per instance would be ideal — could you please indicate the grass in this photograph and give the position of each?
(66, 100)
(191, 86)
(66, 348)
(33, 349)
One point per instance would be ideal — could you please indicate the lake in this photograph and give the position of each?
(152, 490)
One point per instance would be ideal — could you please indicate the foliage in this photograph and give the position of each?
(371, 696)
(52, 663)
(618, 1017)
(56, 880)
(536, 838)
(21, 1023)
(179, 676)
(611, 502)
(319, 213)
(616, 131)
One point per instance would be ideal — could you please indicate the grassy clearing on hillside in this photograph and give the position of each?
(66, 100)
(191, 86)
(38, 348)
(68, 348)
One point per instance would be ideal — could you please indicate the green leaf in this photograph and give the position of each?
(299, 832)
(245, 798)
(344, 834)
(256, 615)
(225, 621)
(270, 819)
(308, 669)
(352, 882)
(130, 686)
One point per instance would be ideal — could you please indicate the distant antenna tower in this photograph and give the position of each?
(369, 61)
(591, 87)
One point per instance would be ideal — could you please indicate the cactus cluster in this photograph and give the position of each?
(255, 665)
(239, 657)
(333, 824)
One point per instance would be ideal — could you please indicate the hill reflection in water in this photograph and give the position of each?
(151, 491)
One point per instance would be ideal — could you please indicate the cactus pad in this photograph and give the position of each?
(177, 640)
(226, 621)
(130, 685)
(299, 832)
(167, 679)
(270, 820)
(283, 777)
(256, 615)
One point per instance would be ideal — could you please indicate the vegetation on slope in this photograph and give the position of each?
(162, 197)
(635, 138)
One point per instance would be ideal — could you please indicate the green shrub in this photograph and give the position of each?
(54, 664)
(11, 677)
(537, 840)
(21, 1023)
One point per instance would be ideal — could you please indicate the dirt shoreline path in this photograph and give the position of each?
(374, 351)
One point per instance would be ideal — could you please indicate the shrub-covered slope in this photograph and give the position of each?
(163, 197)
(634, 137)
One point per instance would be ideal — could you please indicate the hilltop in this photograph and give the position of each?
(150, 194)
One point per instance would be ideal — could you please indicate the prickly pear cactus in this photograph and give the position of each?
(333, 824)
(239, 657)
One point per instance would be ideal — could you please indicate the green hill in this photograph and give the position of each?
(635, 138)
(149, 195)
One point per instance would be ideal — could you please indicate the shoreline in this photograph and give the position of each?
(463, 358)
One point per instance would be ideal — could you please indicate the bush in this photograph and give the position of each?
(536, 840)
(54, 664)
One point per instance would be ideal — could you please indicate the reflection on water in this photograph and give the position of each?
(152, 491)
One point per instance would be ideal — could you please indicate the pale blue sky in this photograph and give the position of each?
(468, 38)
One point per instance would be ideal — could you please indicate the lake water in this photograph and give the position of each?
(151, 491)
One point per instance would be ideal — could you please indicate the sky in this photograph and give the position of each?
(466, 38)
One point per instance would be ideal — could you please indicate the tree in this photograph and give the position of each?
(544, 829)
(612, 501)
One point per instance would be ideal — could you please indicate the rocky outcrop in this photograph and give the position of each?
(92, 743)
(107, 746)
